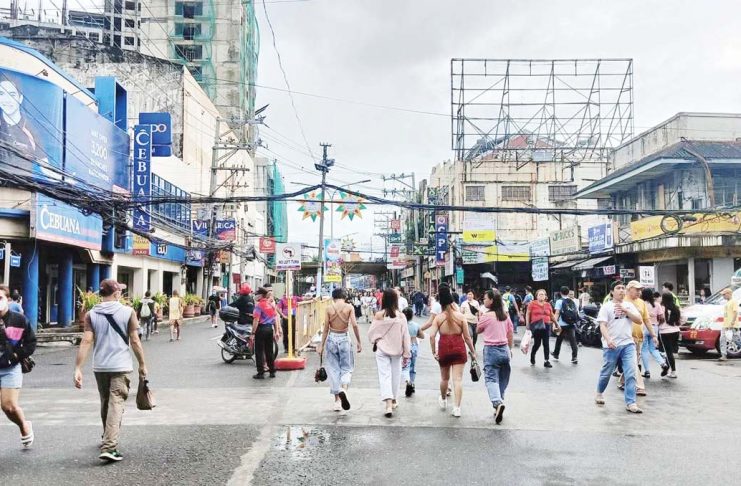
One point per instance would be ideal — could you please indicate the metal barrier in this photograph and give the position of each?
(310, 317)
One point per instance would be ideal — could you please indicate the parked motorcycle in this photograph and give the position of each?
(588, 332)
(236, 343)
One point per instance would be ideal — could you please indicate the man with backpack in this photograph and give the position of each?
(513, 307)
(146, 315)
(567, 314)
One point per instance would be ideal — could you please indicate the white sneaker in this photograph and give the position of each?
(337, 406)
(673, 374)
(456, 412)
(443, 402)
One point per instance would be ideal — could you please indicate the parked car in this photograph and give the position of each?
(736, 279)
(702, 334)
(714, 305)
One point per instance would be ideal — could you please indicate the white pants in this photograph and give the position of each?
(389, 375)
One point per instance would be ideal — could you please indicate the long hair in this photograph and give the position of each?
(647, 296)
(390, 302)
(670, 308)
(497, 304)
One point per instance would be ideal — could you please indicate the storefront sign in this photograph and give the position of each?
(226, 229)
(394, 251)
(288, 256)
(200, 227)
(647, 275)
(441, 239)
(142, 185)
(194, 258)
(141, 246)
(394, 237)
(702, 223)
(396, 224)
(267, 245)
(540, 248)
(15, 261)
(161, 124)
(600, 238)
(459, 276)
(540, 269)
(97, 150)
(479, 236)
(627, 273)
(31, 124)
(565, 241)
(397, 264)
(59, 222)
(609, 270)
(513, 251)
(161, 249)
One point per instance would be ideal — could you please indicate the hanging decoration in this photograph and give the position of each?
(350, 206)
(312, 205)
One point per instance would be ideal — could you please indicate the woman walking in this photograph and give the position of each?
(17, 342)
(389, 336)
(450, 352)
(656, 316)
(538, 320)
(338, 358)
(471, 309)
(498, 331)
(669, 332)
(176, 315)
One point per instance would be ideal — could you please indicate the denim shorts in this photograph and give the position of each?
(11, 377)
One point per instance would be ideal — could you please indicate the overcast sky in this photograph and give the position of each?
(397, 53)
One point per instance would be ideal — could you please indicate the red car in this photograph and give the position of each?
(703, 332)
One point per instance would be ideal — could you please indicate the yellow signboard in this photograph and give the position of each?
(479, 236)
(140, 245)
(697, 223)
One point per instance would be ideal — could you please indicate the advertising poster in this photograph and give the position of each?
(59, 222)
(31, 132)
(540, 269)
(226, 229)
(332, 261)
(141, 246)
(600, 238)
(267, 245)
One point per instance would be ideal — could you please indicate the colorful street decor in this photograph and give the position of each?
(350, 206)
(312, 205)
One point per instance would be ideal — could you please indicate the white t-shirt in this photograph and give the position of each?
(620, 329)
(436, 308)
(403, 303)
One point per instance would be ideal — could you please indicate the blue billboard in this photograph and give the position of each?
(161, 124)
(31, 135)
(97, 151)
(56, 221)
(600, 238)
(142, 184)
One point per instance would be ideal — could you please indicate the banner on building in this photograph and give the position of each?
(267, 245)
(479, 228)
(565, 241)
(142, 184)
(394, 237)
(200, 227)
(396, 264)
(141, 245)
(97, 150)
(479, 236)
(540, 269)
(56, 221)
(31, 126)
(332, 261)
(459, 276)
(600, 238)
(647, 276)
(395, 224)
(701, 223)
(513, 251)
(540, 248)
(394, 251)
(288, 256)
(226, 229)
(161, 124)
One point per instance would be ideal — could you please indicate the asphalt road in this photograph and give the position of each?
(215, 425)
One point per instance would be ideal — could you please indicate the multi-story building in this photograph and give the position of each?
(690, 162)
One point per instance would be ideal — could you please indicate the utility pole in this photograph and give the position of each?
(409, 194)
(323, 168)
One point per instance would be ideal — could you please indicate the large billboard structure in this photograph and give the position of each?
(536, 110)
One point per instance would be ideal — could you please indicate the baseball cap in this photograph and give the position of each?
(110, 286)
(245, 289)
(634, 284)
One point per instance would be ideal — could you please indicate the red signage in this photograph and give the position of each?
(396, 224)
(394, 251)
(267, 245)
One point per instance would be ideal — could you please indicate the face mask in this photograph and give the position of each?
(3, 305)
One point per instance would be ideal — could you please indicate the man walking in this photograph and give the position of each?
(616, 320)
(632, 296)
(730, 323)
(109, 329)
(567, 316)
(419, 303)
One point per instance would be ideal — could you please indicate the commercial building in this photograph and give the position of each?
(690, 162)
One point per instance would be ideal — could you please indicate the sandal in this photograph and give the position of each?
(27, 440)
(633, 408)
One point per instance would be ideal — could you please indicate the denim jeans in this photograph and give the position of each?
(626, 354)
(472, 332)
(649, 349)
(339, 361)
(496, 372)
(409, 372)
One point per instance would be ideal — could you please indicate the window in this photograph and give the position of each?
(130, 5)
(560, 192)
(129, 41)
(188, 31)
(129, 23)
(516, 193)
(604, 203)
(196, 72)
(475, 193)
(189, 10)
(94, 37)
(189, 53)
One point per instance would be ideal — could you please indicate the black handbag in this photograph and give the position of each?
(537, 326)
(27, 364)
(475, 369)
(321, 373)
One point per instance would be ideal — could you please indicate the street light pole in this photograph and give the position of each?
(324, 168)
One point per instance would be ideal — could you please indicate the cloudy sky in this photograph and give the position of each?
(397, 53)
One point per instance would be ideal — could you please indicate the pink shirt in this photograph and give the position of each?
(495, 332)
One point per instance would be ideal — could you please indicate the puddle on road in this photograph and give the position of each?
(296, 438)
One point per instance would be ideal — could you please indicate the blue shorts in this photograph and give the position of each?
(11, 377)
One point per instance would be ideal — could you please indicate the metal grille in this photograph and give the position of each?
(516, 193)
(475, 193)
(561, 193)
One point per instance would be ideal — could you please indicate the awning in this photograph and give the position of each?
(566, 264)
(95, 256)
(591, 263)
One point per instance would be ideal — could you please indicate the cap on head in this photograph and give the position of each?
(110, 286)
(245, 289)
(634, 284)
(615, 284)
(726, 291)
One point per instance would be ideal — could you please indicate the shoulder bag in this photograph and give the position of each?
(475, 368)
(321, 373)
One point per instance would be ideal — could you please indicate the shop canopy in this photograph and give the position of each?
(590, 264)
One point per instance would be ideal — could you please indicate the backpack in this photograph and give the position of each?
(145, 310)
(569, 314)
(508, 302)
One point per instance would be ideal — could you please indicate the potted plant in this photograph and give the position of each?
(137, 304)
(189, 303)
(88, 300)
(197, 305)
(160, 307)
